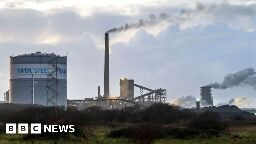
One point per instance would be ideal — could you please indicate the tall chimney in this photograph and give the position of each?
(197, 105)
(106, 67)
(99, 92)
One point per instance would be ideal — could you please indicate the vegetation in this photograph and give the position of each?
(160, 123)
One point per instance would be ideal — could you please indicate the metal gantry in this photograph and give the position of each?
(158, 95)
(150, 97)
(52, 83)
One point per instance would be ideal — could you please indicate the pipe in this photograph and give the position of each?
(106, 67)
(197, 105)
(33, 89)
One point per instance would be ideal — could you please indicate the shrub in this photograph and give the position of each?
(2, 128)
(182, 133)
(161, 113)
(208, 121)
(144, 133)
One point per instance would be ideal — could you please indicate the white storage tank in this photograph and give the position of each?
(38, 78)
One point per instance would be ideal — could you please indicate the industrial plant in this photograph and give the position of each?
(41, 79)
(127, 96)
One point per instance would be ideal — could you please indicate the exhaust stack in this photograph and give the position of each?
(106, 67)
(99, 92)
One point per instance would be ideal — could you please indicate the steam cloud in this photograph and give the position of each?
(186, 101)
(241, 78)
(239, 101)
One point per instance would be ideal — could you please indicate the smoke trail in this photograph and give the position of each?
(152, 20)
(186, 101)
(177, 18)
(241, 78)
(224, 12)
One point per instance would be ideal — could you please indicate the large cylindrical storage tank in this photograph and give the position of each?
(38, 78)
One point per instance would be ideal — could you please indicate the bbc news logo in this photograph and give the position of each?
(37, 128)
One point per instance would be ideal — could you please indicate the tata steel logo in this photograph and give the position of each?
(37, 128)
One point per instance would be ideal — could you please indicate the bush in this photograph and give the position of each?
(148, 133)
(182, 133)
(208, 122)
(164, 114)
(2, 128)
(144, 133)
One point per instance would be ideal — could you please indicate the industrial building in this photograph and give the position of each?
(206, 96)
(38, 78)
(126, 88)
(127, 98)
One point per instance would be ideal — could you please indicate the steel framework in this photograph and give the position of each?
(52, 83)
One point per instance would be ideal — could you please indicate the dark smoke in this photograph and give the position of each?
(223, 12)
(181, 16)
(152, 20)
(241, 78)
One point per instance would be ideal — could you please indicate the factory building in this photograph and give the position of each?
(206, 95)
(38, 78)
(126, 88)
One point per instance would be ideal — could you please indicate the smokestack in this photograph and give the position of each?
(197, 105)
(106, 67)
(99, 92)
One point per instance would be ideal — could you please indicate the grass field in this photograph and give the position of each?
(236, 135)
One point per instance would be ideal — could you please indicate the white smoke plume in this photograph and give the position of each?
(239, 102)
(186, 101)
(203, 103)
(240, 78)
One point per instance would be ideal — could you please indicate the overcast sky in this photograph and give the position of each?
(199, 42)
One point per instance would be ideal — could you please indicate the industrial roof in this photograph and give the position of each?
(38, 54)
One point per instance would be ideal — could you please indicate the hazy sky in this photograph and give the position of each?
(201, 42)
